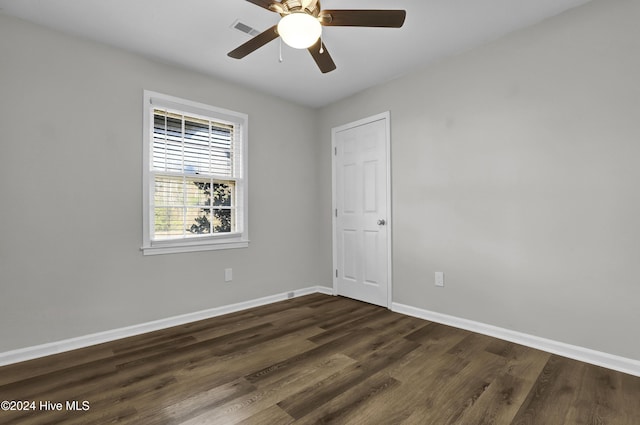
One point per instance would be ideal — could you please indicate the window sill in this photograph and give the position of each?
(180, 247)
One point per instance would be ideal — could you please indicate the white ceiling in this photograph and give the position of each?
(198, 34)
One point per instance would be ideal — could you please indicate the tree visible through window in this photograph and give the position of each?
(221, 197)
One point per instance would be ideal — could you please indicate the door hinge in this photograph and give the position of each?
(335, 150)
(336, 272)
(336, 212)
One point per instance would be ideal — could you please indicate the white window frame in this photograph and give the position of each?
(237, 239)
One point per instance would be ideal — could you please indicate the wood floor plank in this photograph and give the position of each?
(365, 319)
(198, 404)
(55, 382)
(627, 398)
(598, 400)
(311, 355)
(434, 332)
(310, 398)
(318, 359)
(524, 362)
(427, 358)
(439, 407)
(416, 378)
(351, 406)
(267, 394)
(470, 346)
(346, 316)
(270, 416)
(553, 393)
(41, 366)
(499, 403)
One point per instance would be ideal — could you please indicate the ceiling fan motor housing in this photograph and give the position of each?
(285, 7)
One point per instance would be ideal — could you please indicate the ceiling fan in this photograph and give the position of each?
(301, 25)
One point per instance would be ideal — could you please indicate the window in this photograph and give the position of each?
(195, 182)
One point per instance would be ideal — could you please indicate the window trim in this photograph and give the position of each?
(239, 239)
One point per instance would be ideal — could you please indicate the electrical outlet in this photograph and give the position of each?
(228, 275)
(439, 278)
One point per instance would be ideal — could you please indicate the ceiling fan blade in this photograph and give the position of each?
(262, 3)
(363, 18)
(323, 60)
(255, 43)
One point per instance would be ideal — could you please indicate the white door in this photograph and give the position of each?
(361, 197)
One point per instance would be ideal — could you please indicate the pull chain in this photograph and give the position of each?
(321, 45)
(280, 50)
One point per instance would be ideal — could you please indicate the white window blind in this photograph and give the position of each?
(196, 175)
(188, 144)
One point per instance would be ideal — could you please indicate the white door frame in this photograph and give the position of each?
(386, 116)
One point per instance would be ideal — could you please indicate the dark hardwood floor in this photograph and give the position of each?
(316, 359)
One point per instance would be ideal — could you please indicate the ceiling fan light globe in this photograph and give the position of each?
(299, 30)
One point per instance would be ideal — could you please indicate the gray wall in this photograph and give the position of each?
(515, 171)
(71, 187)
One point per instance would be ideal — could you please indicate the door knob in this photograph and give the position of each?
(381, 222)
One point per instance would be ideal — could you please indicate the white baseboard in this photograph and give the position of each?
(610, 361)
(48, 349)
